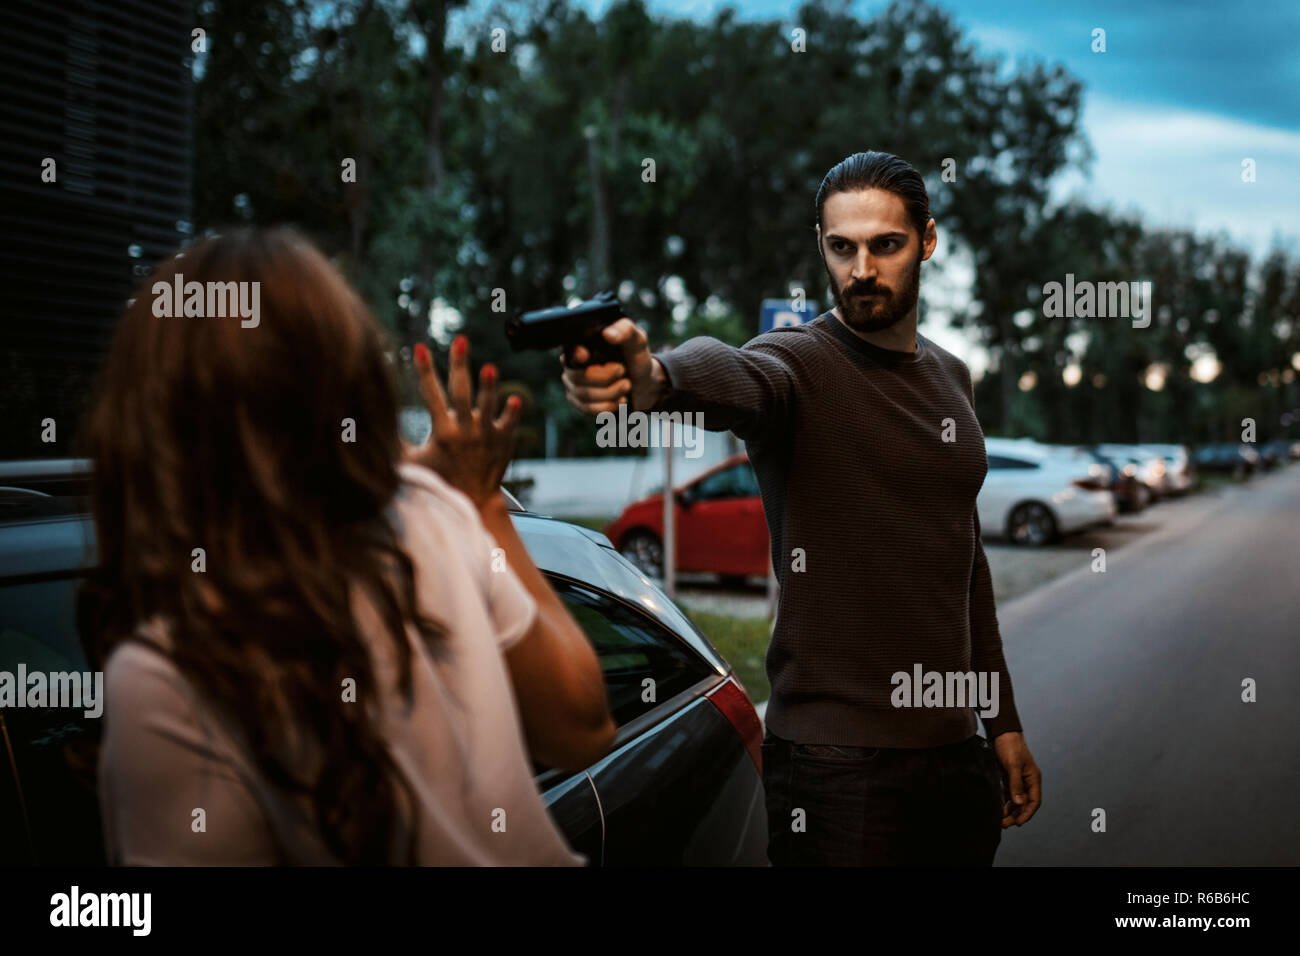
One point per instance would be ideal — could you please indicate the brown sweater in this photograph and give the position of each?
(847, 442)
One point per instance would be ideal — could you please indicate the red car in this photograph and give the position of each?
(720, 525)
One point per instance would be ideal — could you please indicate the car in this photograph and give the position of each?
(682, 784)
(1239, 461)
(1034, 493)
(1129, 463)
(1150, 467)
(1131, 495)
(1178, 477)
(1277, 452)
(720, 526)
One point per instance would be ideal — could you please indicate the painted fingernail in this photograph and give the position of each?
(421, 355)
(514, 401)
(460, 346)
(489, 373)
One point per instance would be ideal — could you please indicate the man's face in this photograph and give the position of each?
(873, 257)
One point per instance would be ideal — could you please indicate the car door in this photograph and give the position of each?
(571, 800)
(753, 552)
(721, 525)
(53, 748)
(1010, 480)
(995, 496)
(679, 788)
(15, 843)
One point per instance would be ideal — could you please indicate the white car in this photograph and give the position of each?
(1034, 493)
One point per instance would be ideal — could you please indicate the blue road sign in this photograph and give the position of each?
(783, 313)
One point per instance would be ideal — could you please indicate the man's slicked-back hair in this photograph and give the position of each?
(876, 170)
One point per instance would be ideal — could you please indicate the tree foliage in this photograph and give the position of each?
(516, 165)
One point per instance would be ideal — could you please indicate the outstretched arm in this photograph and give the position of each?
(745, 390)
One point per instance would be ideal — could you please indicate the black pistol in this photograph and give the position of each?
(567, 326)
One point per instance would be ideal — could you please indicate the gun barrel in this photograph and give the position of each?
(566, 327)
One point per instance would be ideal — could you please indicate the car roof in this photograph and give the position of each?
(1162, 450)
(1024, 447)
(18, 469)
(1123, 448)
(993, 441)
(720, 466)
(70, 476)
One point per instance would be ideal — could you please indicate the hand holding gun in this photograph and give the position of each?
(606, 356)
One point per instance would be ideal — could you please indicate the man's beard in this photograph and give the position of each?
(882, 310)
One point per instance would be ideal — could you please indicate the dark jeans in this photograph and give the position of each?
(879, 806)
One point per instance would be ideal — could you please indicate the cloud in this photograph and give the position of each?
(1182, 168)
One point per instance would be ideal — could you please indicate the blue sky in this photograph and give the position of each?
(1184, 92)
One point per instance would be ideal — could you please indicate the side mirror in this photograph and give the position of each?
(684, 497)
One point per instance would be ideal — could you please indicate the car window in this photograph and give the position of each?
(728, 483)
(38, 626)
(644, 664)
(747, 481)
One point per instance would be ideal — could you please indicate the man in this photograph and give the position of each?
(869, 457)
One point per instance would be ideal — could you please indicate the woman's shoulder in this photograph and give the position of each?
(439, 527)
(418, 481)
(148, 648)
(432, 498)
(139, 670)
(152, 706)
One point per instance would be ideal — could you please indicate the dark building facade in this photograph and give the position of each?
(104, 90)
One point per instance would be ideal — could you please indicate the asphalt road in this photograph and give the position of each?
(1129, 688)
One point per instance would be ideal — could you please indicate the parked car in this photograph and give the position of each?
(1239, 461)
(1278, 452)
(1131, 495)
(681, 785)
(1035, 493)
(1150, 467)
(719, 521)
(1178, 478)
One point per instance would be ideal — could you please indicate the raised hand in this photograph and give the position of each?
(467, 446)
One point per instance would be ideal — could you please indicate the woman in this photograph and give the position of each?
(319, 646)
